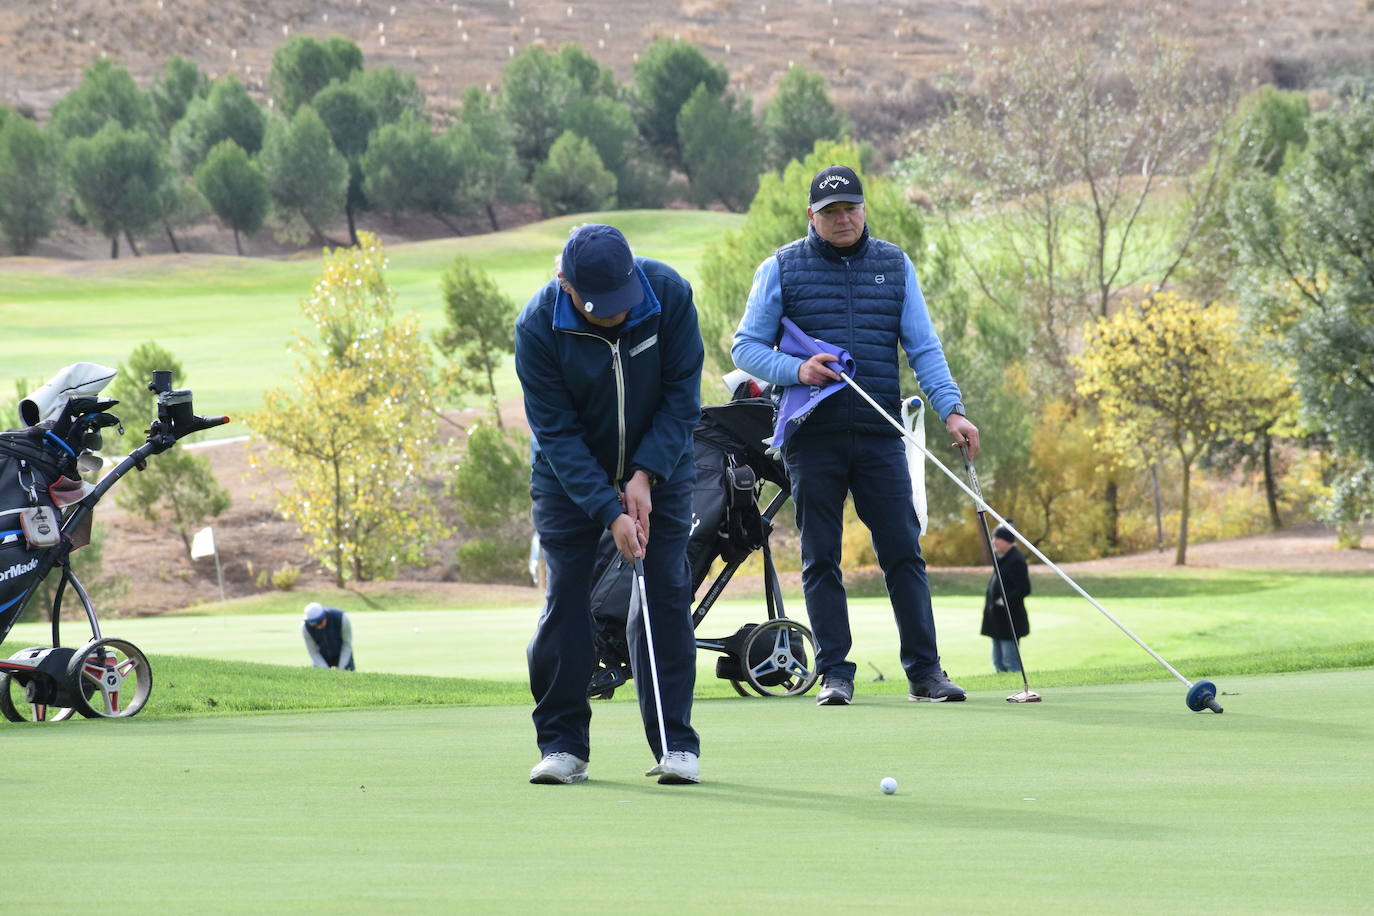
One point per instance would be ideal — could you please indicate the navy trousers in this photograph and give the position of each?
(562, 654)
(823, 468)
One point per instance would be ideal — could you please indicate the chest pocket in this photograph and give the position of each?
(644, 345)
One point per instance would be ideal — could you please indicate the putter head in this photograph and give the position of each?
(1025, 696)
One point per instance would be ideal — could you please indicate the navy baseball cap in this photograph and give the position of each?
(835, 184)
(597, 262)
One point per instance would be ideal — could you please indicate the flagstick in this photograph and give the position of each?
(984, 507)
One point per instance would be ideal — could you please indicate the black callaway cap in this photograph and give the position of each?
(835, 184)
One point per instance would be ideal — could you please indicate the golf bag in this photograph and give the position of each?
(731, 466)
(29, 519)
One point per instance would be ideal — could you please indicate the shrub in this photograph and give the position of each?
(490, 560)
(285, 577)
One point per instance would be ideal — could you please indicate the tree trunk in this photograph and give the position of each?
(114, 246)
(352, 226)
(170, 237)
(1181, 554)
(491, 215)
(495, 404)
(1271, 488)
(237, 247)
(132, 247)
(1113, 519)
(1159, 508)
(338, 524)
(448, 223)
(319, 234)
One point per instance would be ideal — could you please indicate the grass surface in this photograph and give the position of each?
(1184, 616)
(229, 319)
(1100, 799)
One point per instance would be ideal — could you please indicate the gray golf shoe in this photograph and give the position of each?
(835, 691)
(559, 768)
(935, 688)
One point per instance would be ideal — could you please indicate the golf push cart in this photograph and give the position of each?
(773, 658)
(45, 514)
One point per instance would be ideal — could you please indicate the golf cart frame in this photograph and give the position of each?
(105, 677)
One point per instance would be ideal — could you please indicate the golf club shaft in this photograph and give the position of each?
(984, 507)
(653, 662)
(996, 568)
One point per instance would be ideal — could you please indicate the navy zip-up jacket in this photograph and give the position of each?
(602, 405)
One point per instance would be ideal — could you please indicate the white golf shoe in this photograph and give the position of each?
(677, 768)
(559, 768)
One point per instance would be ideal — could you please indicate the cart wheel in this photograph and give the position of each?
(778, 661)
(112, 678)
(15, 705)
(739, 688)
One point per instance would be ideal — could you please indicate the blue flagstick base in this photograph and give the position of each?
(1202, 695)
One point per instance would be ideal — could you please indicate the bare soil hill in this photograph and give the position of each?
(882, 61)
(871, 53)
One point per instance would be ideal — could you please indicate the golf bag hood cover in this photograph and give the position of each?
(76, 380)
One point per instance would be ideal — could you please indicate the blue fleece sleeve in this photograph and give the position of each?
(681, 354)
(760, 328)
(554, 424)
(923, 351)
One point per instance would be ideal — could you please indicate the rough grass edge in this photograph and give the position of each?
(188, 687)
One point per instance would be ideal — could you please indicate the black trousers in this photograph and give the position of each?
(825, 467)
(562, 654)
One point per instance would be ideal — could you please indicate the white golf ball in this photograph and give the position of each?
(888, 785)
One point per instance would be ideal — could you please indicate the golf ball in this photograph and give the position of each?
(888, 785)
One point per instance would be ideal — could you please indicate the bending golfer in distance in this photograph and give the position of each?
(609, 357)
(859, 293)
(328, 637)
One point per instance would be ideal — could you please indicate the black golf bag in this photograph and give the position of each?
(29, 519)
(731, 467)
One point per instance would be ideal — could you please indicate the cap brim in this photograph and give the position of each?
(610, 304)
(837, 199)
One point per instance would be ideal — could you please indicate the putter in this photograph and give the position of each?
(1201, 695)
(653, 663)
(1026, 695)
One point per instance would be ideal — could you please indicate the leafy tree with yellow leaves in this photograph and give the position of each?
(357, 425)
(1170, 374)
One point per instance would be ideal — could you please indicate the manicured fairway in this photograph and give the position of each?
(229, 319)
(1102, 799)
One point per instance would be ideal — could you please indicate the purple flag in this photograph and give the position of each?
(799, 400)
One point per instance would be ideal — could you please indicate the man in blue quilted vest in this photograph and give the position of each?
(859, 293)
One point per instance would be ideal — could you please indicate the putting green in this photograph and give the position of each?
(1099, 799)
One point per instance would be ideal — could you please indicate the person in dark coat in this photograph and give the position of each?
(609, 358)
(1016, 581)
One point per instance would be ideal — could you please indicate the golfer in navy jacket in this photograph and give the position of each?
(609, 357)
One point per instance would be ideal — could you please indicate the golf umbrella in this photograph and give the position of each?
(799, 400)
